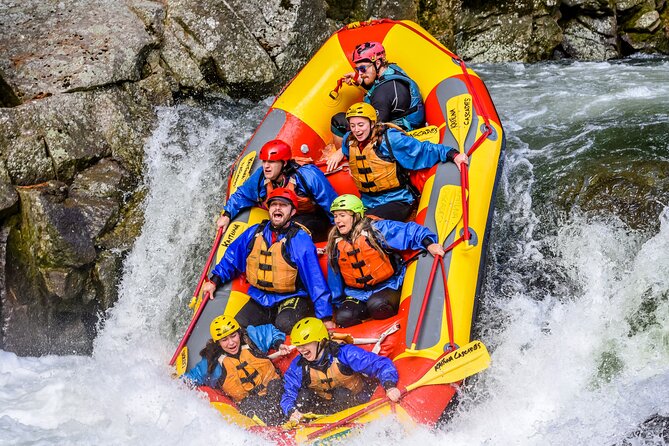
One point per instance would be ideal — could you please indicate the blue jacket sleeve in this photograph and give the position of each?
(336, 284)
(318, 185)
(413, 154)
(370, 364)
(265, 336)
(233, 261)
(198, 375)
(245, 196)
(401, 236)
(292, 382)
(303, 253)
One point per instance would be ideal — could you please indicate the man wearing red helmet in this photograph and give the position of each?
(394, 95)
(314, 192)
(281, 264)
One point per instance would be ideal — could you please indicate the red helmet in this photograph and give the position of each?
(371, 51)
(281, 193)
(276, 150)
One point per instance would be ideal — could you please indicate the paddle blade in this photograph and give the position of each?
(448, 211)
(429, 133)
(459, 110)
(455, 366)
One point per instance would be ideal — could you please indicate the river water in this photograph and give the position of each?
(575, 307)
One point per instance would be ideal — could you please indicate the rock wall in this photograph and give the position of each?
(80, 80)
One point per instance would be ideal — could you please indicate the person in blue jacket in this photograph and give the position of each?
(395, 96)
(380, 157)
(279, 169)
(365, 270)
(327, 377)
(281, 264)
(235, 361)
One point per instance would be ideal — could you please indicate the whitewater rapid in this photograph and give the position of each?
(576, 316)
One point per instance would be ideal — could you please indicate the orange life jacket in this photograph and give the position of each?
(373, 173)
(324, 383)
(360, 264)
(305, 205)
(246, 374)
(271, 269)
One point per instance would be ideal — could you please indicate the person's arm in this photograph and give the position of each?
(303, 253)
(292, 382)
(371, 364)
(266, 337)
(391, 100)
(336, 285)
(318, 187)
(401, 236)
(245, 196)
(413, 154)
(198, 375)
(233, 261)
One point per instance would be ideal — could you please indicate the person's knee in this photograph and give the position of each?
(339, 124)
(284, 321)
(380, 308)
(347, 316)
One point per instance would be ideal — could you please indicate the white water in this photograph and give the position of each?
(567, 366)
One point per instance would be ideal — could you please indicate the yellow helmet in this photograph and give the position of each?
(362, 109)
(308, 330)
(223, 326)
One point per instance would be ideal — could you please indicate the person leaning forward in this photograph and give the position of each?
(314, 192)
(234, 361)
(281, 264)
(327, 377)
(380, 156)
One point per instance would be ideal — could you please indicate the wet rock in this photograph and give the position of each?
(594, 6)
(54, 47)
(590, 39)
(439, 17)
(53, 231)
(106, 276)
(9, 199)
(505, 32)
(244, 47)
(635, 194)
(121, 238)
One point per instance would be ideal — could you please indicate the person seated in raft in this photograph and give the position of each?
(380, 156)
(235, 361)
(394, 95)
(314, 192)
(365, 270)
(326, 377)
(281, 264)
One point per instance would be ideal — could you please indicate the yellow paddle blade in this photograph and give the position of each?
(468, 360)
(448, 211)
(182, 361)
(429, 133)
(242, 171)
(459, 110)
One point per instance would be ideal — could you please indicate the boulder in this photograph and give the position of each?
(9, 199)
(598, 7)
(246, 48)
(505, 33)
(70, 45)
(590, 38)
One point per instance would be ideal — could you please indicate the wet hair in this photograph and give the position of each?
(211, 352)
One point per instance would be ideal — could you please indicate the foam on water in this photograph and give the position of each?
(575, 316)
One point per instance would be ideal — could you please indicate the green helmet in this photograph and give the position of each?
(348, 202)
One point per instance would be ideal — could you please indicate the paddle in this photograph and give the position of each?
(459, 111)
(448, 211)
(449, 368)
(196, 293)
